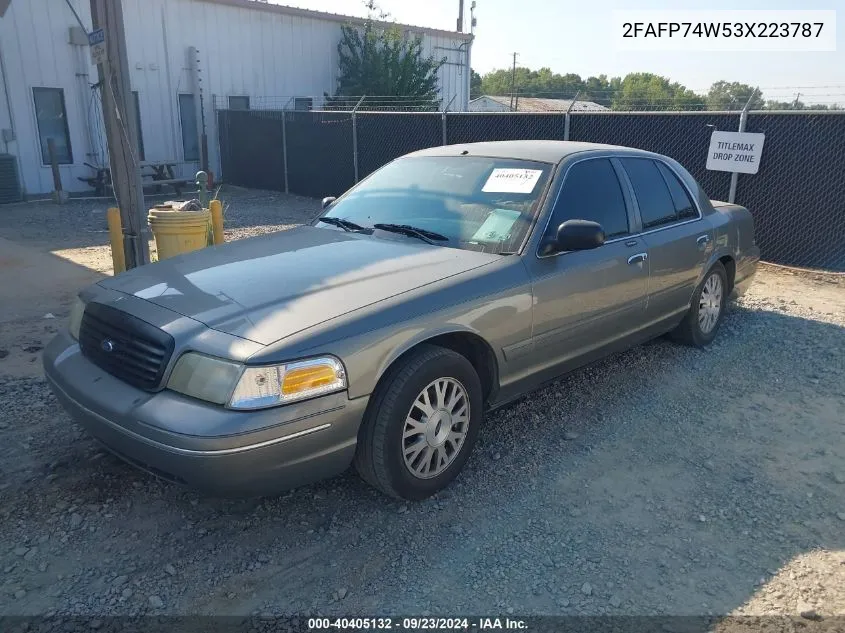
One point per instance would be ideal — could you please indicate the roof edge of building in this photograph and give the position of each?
(333, 17)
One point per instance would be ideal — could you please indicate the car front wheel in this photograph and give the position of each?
(420, 427)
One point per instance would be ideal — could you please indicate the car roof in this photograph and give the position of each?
(543, 151)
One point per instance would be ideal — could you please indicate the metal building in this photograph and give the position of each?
(184, 55)
(494, 103)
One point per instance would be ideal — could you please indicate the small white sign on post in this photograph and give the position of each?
(735, 151)
(97, 44)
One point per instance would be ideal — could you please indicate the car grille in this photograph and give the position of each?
(125, 346)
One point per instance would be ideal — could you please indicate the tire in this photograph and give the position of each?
(380, 457)
(700, 324)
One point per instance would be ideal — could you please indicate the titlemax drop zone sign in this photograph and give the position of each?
(735, 151)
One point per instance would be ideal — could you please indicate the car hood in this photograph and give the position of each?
(269, 287)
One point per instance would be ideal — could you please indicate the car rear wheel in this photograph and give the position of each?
(701, 323)
(421, 425)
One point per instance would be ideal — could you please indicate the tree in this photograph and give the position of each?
(475, 85)
(532, 83)
(601, 90)
(637, 91)
(545, 83)
(498, 82)
(646, 91)
(377, 61)
(774, 104)
(733, 95)
(796, 104)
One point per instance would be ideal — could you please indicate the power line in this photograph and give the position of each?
(76, 15)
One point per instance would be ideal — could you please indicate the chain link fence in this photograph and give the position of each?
(685, 136)
(383, 136)
(472, 127)
(318, 152)
(797, 197)
(297, 151)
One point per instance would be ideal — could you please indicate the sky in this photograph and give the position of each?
(576, 37)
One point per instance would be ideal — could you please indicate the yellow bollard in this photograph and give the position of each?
(216, 208)
(118, 257)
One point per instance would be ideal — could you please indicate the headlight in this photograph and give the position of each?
(76, 313)
(221, 382)
(268, 386)
(204, 377)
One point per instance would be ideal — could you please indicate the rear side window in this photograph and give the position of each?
(684, 207)
(656, 205)
(591, 191)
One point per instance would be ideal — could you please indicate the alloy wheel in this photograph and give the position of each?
(435, 428)
(710, 303)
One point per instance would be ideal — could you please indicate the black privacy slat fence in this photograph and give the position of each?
(252, 148)
(472, 127)
(684, 137)
(384, 136)
(319, 155)
(797, 197)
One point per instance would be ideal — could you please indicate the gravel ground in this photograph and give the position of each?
(82, 223)
(664, 480)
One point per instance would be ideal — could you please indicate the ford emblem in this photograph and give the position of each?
(107, 345)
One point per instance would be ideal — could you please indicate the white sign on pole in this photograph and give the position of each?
(735, 151)
(97, 44)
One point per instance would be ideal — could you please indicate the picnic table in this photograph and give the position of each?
(160, 173)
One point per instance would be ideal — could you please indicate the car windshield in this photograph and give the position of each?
(478, 203)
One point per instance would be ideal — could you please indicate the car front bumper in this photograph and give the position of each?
(207, 447)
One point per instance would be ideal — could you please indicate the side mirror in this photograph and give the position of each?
(575, 235)
(328, 201)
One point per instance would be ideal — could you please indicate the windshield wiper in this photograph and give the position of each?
(346, 225)
(412, 231)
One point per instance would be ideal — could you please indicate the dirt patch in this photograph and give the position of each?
(49, 252)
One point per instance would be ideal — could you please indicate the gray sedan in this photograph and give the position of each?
(448, 283)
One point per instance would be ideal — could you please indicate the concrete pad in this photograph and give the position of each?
(33, 283)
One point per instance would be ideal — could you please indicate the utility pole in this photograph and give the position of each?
(513, 78)
(460, 16)
(795, 103)
(196, 80)
(743, 121)
(119, 118)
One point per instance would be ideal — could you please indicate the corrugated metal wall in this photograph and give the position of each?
(36, 53)
(486, 104)
(261, 53)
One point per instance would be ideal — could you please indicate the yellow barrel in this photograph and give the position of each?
(178, 232)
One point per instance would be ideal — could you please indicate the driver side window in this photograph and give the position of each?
(591, 191)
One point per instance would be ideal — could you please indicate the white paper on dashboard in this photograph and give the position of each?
(509, 180)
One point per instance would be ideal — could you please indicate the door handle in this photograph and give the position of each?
(639, 257)
(703, 240)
